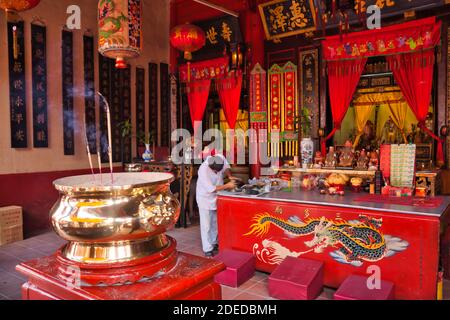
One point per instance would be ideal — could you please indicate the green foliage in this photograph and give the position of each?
(304, 120)
(146, 138)
(126, 128)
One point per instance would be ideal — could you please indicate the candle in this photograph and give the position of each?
(15, 46)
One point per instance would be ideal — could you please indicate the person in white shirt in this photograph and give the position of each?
(210, 181)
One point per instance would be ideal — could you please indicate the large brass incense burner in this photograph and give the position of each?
(114, 223)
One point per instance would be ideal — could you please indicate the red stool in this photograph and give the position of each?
(355, 288)
(240, 267)
(296, 279)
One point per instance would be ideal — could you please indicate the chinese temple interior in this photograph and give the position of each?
(224, 150)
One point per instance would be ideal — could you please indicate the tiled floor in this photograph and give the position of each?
(188, 241)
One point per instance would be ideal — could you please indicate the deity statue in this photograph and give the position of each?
(347, 155)
(330, 160)
(373, 161)
(362, 160)
(390, 134)
(318, 160)
(367, 141)
(426, 138)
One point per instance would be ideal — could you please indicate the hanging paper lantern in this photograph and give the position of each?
(187, 38)
(120, 29)
(18, 5)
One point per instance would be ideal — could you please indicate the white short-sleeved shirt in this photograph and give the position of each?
(207, 182)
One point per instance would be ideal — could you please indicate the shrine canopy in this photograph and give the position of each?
(403, 38)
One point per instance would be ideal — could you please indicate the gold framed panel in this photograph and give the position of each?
(269, 36)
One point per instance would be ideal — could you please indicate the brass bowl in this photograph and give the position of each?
(114, 222)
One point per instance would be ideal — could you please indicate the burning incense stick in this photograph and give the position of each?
(99, 157)
(88, 149)
(108, 117)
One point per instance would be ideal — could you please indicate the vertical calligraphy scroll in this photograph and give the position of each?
(105, 90)
(290, 114)
(165, 105)
(173, 104)
(39, 76)
(89, 92)
(448, 92)
(126, 111)
(275, 109)
(140, 104)
(17, 85)
(153, 100)
(258, 102)
(67, 94)
(116, 112)
(309, 86)
(258, 109)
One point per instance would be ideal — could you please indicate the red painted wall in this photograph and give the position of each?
(34, 192)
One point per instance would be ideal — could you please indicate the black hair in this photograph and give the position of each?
(215, 163)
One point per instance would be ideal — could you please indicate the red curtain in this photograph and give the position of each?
(414, 74)
(197, 93)
(343, 77)
(229, 90)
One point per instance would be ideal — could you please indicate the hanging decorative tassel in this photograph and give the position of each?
(189, 71)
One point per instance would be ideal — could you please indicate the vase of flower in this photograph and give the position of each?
(307, 149)
(147, 155)
(147, 139)
(304, 120)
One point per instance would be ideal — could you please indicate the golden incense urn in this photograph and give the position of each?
(116, 224)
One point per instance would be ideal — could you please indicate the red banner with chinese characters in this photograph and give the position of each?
(275, 107)
(401, 38)
(205, 70)
(290, 137)
(258, 115)
(258, 101)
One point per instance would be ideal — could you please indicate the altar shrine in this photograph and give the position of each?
(202, 150)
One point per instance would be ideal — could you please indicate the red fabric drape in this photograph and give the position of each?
(343, 77)
(229, 90)
(197, 93)
(204, 70)
(414, 74)
(406, 37)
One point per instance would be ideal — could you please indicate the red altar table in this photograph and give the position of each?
(398, 243)
(192, 278)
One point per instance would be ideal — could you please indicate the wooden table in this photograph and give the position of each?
(429, 180)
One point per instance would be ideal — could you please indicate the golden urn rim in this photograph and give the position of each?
(123, 181)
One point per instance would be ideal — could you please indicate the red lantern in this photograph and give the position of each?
(187, 38)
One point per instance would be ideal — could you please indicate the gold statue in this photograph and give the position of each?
(330, 160)
(347, 155)
(390, 134)
(362, 160)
